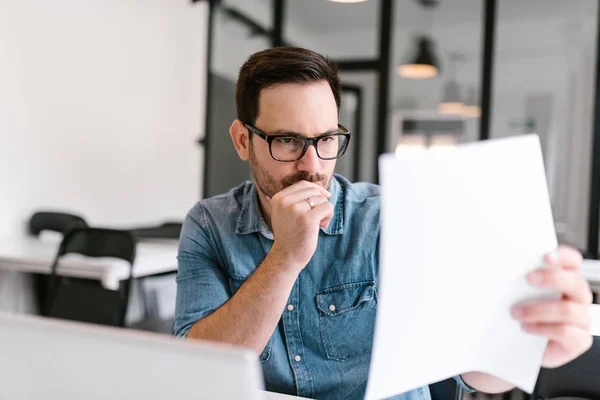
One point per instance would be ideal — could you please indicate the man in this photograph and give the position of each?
(288, 265)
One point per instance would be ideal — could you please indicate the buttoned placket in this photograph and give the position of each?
(295, 346)
(292, 333)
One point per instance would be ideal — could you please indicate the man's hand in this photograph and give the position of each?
(566, 322)
(295, 224)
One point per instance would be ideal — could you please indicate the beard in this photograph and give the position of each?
(271, 186)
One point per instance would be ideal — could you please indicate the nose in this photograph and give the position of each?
(310, 162)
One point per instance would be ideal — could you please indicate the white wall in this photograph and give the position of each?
(100, 105)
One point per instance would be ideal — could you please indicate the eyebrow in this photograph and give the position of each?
(283, 132)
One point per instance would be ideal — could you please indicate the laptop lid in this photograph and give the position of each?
(44, 358)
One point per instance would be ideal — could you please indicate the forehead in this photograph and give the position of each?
(304, 108)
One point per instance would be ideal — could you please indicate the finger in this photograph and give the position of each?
(554, 312)
(303, 206)
(565, 256)
(325, 221)
(300, 195)
(567, 336)
(569, 282)
(322, 211)
(315, 200)
(300, 186)
(310, 203)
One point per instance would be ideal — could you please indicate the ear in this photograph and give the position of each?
(241, 139)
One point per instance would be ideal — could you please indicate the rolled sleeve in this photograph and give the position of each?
(202, 285)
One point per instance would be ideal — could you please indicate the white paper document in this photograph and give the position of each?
(595, 314)
(461, 228)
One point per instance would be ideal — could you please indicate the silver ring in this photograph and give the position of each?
(310, 203)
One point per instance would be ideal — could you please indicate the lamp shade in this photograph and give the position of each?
(423, 64)
(451, 100)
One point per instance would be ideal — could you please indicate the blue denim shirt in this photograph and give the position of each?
(322, 345)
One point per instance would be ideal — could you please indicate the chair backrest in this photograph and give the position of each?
(54, 221)
(579, 378)
(82, 301)
(98, 242)
(167, 230)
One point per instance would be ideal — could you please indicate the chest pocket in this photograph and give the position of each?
(347, 319)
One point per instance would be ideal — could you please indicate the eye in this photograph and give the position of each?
(285, 140)
(327, 139)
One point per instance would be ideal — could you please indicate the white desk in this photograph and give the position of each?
(31, 255)
(590, 269)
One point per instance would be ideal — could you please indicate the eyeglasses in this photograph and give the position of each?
(288, 148)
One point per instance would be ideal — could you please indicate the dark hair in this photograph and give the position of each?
(280, 65)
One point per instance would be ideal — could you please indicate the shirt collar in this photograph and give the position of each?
(251, 219)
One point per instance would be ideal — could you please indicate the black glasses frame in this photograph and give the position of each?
(307, 141)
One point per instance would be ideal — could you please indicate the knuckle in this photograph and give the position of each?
(295, 208)
(571, 255)
(282, 202)
(305, 218)
(564, 248)
(278, 199)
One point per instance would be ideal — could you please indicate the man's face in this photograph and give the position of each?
(306, 110)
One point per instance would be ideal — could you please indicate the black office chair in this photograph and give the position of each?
(167, 230)
(86, 301)
(54, 221)
(580, 378)
(151, 321)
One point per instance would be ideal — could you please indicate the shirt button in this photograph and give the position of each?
(290, 307)
(298, 358)
(332, 308)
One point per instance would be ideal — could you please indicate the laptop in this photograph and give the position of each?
(49, 359)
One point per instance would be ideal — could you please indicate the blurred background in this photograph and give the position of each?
(118, 111)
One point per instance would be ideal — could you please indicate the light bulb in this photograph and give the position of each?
(451, 108)
(417, 71)
(472, 111)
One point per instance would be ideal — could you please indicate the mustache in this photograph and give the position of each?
(304, 176)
